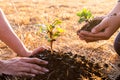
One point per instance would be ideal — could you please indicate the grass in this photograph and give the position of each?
(23, 14)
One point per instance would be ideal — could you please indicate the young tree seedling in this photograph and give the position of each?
(51, 32)
(85, 15)
(90, 21)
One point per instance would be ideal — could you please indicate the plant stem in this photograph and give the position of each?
(51, 47)
(51, 42)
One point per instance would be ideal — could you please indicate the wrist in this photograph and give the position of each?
(25, 53)
(28, 53)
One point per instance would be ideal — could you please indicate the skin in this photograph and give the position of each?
(19, 66)
(109, 24)
(22, 66)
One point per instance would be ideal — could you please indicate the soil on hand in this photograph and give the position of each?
(91, 24)
(65, 66)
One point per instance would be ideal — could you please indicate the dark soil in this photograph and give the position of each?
(65, 66)
(118, 78)
(89, 25)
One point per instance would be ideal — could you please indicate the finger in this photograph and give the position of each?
(33, 71)
(81, 36)
(96, 37)
(33, 68)
(99, 27)
(38, 50)
(34, 61)
(25, 74)
(90, 39)
(78, 32)
(89, 34)
(41, 70)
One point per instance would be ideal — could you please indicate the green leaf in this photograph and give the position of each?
(81, 20)
(56, 22)
(60, 30)
(50, 28)
(51, 31)
(56, 34)
(89, 15)
(85, 15)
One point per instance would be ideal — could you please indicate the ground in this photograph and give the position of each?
(24, 14)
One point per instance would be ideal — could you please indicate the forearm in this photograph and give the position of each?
(115, 10)
(1, 66)
(115, 14)
(8, 36)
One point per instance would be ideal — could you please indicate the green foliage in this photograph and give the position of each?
(85, 15)
(51, 32)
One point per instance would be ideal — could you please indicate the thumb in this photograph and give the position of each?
(38, 50)
(100, 27)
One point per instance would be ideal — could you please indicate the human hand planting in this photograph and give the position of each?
(23, 66)
(109, 24)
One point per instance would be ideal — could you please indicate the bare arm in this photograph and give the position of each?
(23, 66)
(109, 24)
(8, 36)
(112, 17)
(116, 9)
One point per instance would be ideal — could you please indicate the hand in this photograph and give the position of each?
(23, 66)
(108, 24)
(35, 51)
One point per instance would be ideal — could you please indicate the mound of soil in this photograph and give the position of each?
(65, 66)
(89, 25)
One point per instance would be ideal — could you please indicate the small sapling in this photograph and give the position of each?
(85, 15)
(90, 21)
(51, 32)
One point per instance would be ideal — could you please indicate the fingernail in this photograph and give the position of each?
(33, 75)
(46, 62)
(81, 31)
(93, 31)
(46, 70)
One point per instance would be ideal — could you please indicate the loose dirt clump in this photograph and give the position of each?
(91, 24)
(65, 66)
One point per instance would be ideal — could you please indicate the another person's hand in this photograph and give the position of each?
(108, 24)
(23, 66)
